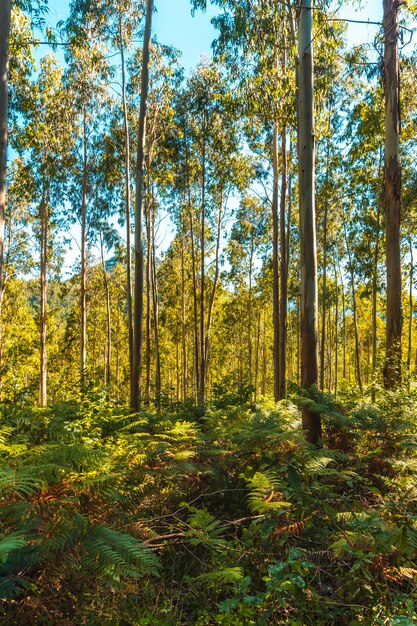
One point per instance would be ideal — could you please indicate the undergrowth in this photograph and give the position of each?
(221, 517)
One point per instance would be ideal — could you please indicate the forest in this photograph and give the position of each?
(208, 316)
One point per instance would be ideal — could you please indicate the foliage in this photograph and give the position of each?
(227, 519)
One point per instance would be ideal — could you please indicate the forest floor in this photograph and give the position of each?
(222, 515)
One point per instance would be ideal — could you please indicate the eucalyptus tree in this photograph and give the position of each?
(213, 168)
(124, 22)
(135, 387)
(256, 42)
(17, 39)
(48, 143)
(308, 248)
(165, 76)
(392, 195)
(5, 16)
(87, 76)
(247, 248)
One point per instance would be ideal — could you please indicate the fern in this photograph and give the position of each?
(11, 542)
(222, 576)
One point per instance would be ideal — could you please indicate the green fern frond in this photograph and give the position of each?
(223, 576)
(8, 543)
(114, 548)
(19, 482)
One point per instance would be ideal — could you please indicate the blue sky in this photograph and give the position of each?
(174, 25)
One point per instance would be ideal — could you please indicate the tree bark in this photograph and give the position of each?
(355, 317)
(148, 301)
(154, 283)
(5, 13)
(324, 291)
(43, 311)
(215, 283)
(135, 387)
(202, 388)
(411, 310)
(83, 345)
(195, 303)
(283, 271)
(183, 324)
(275, 265)
(392, 195)
(309, 302)
(128, 203)
(258, 337)
(108, 314)
(336, 336)
(250, 359)
(374, 305)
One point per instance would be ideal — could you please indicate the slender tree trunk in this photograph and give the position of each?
(108, 313)
(177, 370)
(183, 324)
(83, 346)
(392, 195)
(336, 337)
(283, 272)
(148, 302)
(374, 307)
(154, 282)
(258, 337)
(118, 352)
(215, 283)
(5, 12)
(309, 305)
(263, 385)
(43, 312)
(135, 387)
(343, 322)
(275, 266)
(355, 317)
(202, 389)
(250, 310)
(128, 202)
(411, 309)
(324, 291)
(195, 303)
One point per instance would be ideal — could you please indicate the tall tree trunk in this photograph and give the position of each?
(148, 302)
(202, 389)
(83, 345)
(275, 265)
(336, 337)
(215, 283)
(5, 12)
(411, 309)
(108, 313)
(250, 359)
(283, 271)
(374, 306)
(343, 322)
(263, 385)
(183, 324)
(392, 195)
(43, 312)
(154, 282)
(135, 387)
(258, 338)
(324, 291)
(355, 317)
(195, 303)
(128, 202)
(309, 305)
